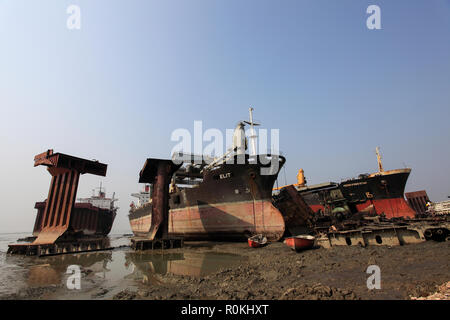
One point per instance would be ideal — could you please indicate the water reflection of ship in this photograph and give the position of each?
(54, 268)
(147, 265)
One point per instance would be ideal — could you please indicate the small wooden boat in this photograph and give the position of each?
(300, 242)
(257, 241)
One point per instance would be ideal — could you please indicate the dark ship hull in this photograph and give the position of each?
(383, 192)
(233, 201)
(86, 219)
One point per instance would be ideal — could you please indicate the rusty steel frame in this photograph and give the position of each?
(418, 201)
(159, 172)
(296, 213)
(55, 219)
(390, 234)
(81, 245)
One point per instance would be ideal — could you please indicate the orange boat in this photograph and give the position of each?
(257, 241)
(300, 242)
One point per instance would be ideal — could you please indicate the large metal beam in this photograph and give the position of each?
(159, 172)
(61, 160)
(65, 171)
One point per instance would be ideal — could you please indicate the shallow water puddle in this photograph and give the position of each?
(115, 268)
(184, 264)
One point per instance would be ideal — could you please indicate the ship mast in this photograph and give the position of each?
(253, 135)
(380, 165)
(239, 142)
(100, 192)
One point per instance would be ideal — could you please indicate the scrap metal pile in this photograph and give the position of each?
(368, 228)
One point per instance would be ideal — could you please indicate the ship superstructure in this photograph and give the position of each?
(143, 197)
(100, 200)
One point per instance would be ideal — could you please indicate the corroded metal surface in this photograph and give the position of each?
(64, 161)
(55, 218)
(158, 172)
(80, 245)
(85, 218)
(58, 208)
(65, 171)
(296, 213)
(390, 233)
(418, 201)
(232, 202)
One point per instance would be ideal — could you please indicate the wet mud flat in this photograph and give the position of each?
(276, 272)
(208, 270)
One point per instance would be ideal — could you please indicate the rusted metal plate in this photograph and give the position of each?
(149, 171)
(418, 200)
(391, 208)
(227, 221)
(43, 158)
(54, 215)
(49, 235)
(58, 208)
(78, 245)
(61, 160)
(296, 213)
(160, 195)
(389, 233)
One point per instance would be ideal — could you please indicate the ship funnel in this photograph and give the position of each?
(239, 141)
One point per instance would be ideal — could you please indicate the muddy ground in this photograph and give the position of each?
(277, 272)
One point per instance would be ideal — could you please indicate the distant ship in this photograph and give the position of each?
(90, 216)
(381, 192)
(143, 197)
(218, 200)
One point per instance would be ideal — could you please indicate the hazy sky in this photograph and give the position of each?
(137, 70)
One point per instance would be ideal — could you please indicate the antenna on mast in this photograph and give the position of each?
(101, 193)
(380, 165)
(253, 135)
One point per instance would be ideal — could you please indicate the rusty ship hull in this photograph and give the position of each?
(232, 202)
(225, 221)
(383, 192)
(86, 219)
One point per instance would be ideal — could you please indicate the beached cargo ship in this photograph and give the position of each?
(222, 199)
(381, 192)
